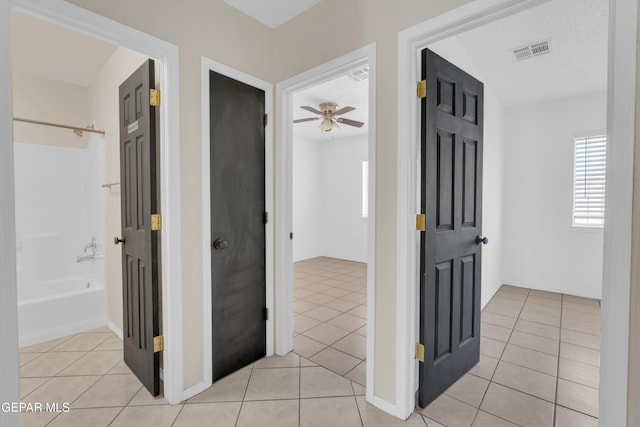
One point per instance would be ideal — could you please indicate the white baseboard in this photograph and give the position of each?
(63, 331)
(383, 405)
(115, 329)
(195, 389)
(487, 294)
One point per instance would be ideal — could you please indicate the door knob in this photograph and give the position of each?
(220, 244)
(117, 240)
(482, 240)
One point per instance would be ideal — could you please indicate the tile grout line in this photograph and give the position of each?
(555, 403)
(499, 360)
(244, 395)
(183, 405)
(355, 400)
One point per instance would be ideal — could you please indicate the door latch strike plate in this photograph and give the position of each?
(421, 89)
(156, 222)
(421, 222)
(419, 352)
(158, 344)
(154, 97)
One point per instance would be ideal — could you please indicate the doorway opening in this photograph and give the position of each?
(330, 223)
(426, 35)
(62, 244)
(76, 244)
(325, 282)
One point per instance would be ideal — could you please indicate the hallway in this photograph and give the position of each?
(539, 367)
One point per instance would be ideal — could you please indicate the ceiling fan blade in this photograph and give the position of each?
(350, 122)
(343, 110)
(308, 119)
(313, 110)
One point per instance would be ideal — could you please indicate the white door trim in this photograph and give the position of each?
(617, 250)
(207, 338)
(284, 199)
(9, 368)
(166, 54)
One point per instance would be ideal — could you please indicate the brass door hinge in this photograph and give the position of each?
(266, 120)
(156, 222)
(419, 352)
(154, 97)
(266, 314)
(421, 90)
(266, 217)
(421, 222)
(158, 344)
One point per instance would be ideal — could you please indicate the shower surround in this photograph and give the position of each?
(59, 212)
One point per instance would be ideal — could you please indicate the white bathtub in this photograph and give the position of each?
(56, 308)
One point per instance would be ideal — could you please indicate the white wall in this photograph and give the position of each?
(493, 169)
(104, 111)
(345, 231)
(307, 195)
(50, 101)
(327, 199)
(541, 248)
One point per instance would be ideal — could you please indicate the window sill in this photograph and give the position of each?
(587, 228)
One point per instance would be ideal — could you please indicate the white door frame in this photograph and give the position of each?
(9, 368)
(208, 65)
(166, 54)
(617, 241)
(284, 199)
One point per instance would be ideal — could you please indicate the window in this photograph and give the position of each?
(365, 189)
(589, 181)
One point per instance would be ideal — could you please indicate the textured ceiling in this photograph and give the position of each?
(272, 13)
(47, 50)
(578, 30)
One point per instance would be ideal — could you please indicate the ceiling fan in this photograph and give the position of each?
(328, 115)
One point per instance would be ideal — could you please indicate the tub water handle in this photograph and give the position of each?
(117, 240)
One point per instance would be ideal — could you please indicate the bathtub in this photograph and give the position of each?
(60, 307)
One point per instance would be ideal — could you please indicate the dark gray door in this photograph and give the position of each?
(451, 198)
(238, 272)
(140, 249)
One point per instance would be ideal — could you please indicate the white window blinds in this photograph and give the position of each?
(589, 181)
(365, 189)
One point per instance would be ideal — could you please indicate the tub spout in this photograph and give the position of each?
(86, 258)
(93, 245)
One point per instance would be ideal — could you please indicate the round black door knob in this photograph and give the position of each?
(220, 244)
(482, 240)
(117, 240)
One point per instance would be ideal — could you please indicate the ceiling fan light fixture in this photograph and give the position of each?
(328, 125)
(328, 113)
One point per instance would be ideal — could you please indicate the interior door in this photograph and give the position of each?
(140, 249)
(450, 246)
(238, 270)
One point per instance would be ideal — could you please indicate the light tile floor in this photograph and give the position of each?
(539, 367)
(330, 315)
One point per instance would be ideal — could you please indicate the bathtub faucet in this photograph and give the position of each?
(86, 258)
(93, 245)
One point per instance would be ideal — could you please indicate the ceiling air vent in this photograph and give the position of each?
(534, 49)
(360, 74)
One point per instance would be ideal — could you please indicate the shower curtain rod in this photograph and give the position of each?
(78, 131)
